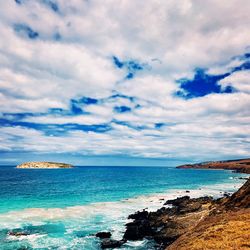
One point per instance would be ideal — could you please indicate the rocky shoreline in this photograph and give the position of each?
(43, 165)
(166, 225)
(185, 218)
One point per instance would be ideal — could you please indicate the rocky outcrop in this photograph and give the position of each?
(240, 199)
(168, 223)
(107, 242)
(139, 228)
(241, 165)
(17, 233)
(44, 165)
(103, 235)
(165, 225)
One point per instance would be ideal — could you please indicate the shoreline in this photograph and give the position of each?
(186, 217)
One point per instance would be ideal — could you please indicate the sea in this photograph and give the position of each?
(65, 208)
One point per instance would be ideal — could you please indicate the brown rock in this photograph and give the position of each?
(17, 234)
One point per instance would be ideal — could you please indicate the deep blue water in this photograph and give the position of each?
(83, 192)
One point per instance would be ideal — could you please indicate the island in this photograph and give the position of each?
(240, 166)
(44, 165)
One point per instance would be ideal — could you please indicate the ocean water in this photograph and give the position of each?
(64, 208)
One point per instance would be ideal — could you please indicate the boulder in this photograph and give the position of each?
(139, 215)
(18, 233)
(178, 201)
(109, 243)
(137, 230)
(103, 235)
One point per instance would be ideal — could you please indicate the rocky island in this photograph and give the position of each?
(44, 165)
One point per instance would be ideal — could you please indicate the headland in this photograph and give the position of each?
(240, 166)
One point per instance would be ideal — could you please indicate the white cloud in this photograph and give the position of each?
(80, 119)
(171, 37)
(239, 80)
(122, 140)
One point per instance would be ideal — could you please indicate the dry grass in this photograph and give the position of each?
(227, 231)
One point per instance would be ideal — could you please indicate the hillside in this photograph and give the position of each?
(241, 165)
(226, 227)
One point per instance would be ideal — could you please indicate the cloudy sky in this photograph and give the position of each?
(124, 82)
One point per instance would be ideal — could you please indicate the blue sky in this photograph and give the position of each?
(158, 83)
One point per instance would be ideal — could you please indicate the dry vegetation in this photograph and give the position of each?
(227, 231)
(242, 165)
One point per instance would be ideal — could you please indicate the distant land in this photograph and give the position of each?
(240, 165)
(44, 165)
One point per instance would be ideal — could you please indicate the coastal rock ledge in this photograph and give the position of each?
(44, 165)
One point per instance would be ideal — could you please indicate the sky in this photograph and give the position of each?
(154, 83)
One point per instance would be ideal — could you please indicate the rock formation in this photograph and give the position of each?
(168, 223)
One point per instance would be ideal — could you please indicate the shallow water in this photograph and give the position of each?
(64, 208)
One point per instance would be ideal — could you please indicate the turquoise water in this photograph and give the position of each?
(64, 208)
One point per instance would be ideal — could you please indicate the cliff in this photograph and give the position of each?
(241, 165)
(43, 165)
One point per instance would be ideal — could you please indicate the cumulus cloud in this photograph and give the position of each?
(162, 79)
(238, 80)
